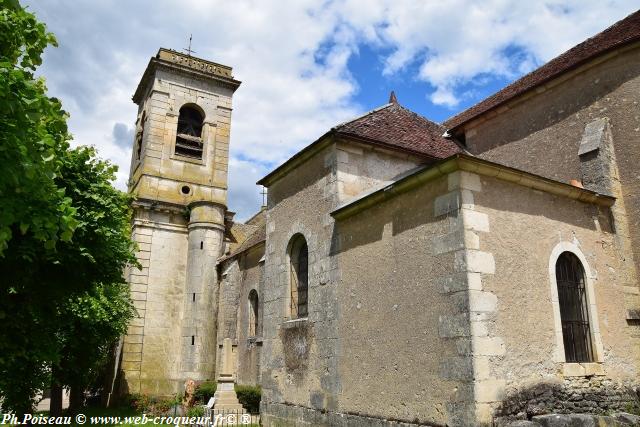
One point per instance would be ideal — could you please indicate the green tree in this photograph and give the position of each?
(33, 135)
(100, 250)
(64, 230)
(99, 317)
(35, 213)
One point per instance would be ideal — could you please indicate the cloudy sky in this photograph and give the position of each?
(305, 65)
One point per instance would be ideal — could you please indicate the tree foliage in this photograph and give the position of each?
(64, 231)
(33, 132)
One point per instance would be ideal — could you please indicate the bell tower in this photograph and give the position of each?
(179, 179)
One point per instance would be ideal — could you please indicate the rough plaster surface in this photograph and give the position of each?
(526, 226)
(299, 360)
(551, 126)
(389, 282)
(436, 290)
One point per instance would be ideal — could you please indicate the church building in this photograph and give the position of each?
(402, 272)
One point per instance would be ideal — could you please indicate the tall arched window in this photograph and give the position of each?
(574, 315)
(253, 313)
(299, 276)
(140, 135)
(189, 134)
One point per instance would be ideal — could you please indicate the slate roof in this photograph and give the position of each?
(390, 126)
(396, 127)
(619, 34)
(255, 237)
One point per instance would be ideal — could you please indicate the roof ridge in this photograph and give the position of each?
(421, 116)
(579, 54)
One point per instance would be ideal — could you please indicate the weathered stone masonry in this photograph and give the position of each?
(469, 327)
(179, 224)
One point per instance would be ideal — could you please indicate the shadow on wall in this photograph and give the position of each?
(528, 203)
(406, 212)
(580, 395)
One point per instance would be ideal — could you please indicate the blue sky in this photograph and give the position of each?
(305, 65)
(366, 67)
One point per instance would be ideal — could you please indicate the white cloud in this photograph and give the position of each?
(292, 58)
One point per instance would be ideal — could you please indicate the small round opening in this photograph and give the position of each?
(185, 189)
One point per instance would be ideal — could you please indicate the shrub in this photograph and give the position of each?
(249, 396)
(205, 391)
(196, 411)
(149, 405)
(137, 402)
(161, 406)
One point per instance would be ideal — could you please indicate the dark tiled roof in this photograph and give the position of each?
(396, 127)
(619, 34)
(258, 235)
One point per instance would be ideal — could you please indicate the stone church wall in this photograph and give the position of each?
(524, 228)
(443, 312)
(396, 361)
(240, 275)
(249, 347)
(551, 123)
(299, 359)
(360, 167)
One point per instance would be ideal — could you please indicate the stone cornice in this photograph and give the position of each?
(469, 164)
(186, 65)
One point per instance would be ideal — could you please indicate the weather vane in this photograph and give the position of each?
(188, 50)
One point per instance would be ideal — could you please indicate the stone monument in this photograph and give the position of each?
(226, 400)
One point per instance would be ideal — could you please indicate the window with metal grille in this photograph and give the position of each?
(189, 134)
(299, 273)
(572, 296)
(253, 313)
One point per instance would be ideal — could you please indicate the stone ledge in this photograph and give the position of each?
(295, 323)
(582, 369)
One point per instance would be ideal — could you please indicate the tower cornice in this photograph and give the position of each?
(191, 66)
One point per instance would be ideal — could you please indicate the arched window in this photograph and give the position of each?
(140, 135)
(574, 315)
(253, 313)
(189, 134)
(299, 276)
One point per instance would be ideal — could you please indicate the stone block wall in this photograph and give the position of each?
(250, 345)
(361, 167)
(542, 133)
(299, 360)
(526, 230)
(151, 351)
(398, 325)
(240, 275)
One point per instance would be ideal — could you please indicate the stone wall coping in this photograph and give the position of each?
(471, 164)
(294, 323)
(582, 369)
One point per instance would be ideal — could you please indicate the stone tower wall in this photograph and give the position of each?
(179, 225)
